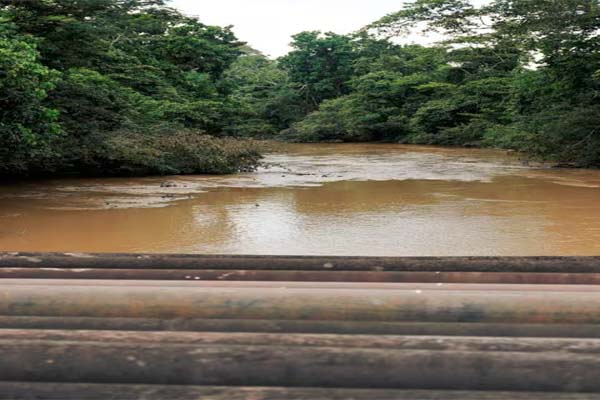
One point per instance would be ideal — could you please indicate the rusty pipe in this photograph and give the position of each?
(404, 286)
(300, 263)
(467, 364)
(301, 304)
(303, 326)
(389, 342)
(90, 391)
(302, 276)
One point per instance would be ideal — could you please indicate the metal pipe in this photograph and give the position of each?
(200, 284)
(300, 263)
(389, 342)
(301, 304)
(302, 276)
(299, 326)
(406, 363)
(90, 391)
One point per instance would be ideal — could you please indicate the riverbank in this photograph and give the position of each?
(185, 153)
(129, 155)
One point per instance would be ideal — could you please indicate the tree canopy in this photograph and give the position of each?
(87, 78)
(136, 87)
(521, 74)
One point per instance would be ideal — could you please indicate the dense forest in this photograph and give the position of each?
(115, 87)
(516, 74)
(125, 87)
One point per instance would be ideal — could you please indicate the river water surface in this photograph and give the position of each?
(325, 199)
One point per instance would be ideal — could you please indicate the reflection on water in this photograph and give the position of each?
(339, 199)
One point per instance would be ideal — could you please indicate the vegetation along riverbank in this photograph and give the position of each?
(134, 87)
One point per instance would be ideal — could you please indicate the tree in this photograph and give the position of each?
(386, 91)
(522, 68)
(321, 66)
(27, 125)
(263, 99)
(131, 68)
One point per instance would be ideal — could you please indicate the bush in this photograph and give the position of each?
(177, 153)
(340, 120)
(568, 136)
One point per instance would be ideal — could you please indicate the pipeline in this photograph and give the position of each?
(577, 307)
(263, 328)
(77, 391)
(300, 263)
(538, 278)
(298, 326)
(435, 363)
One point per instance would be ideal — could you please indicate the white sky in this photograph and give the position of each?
(268, 25)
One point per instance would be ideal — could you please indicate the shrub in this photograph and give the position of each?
(183, 152)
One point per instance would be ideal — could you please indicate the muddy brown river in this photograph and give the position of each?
(325, 199)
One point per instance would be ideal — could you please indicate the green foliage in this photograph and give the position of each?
(134, 87)
(27, 125)
(342, 119)
(99, 70)
(320, 65)
(192, 46)
(519, 74)
(263, 99)
(527, 81)
(565, 134)
(176, 153)
(382, 98)
(448, 15)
